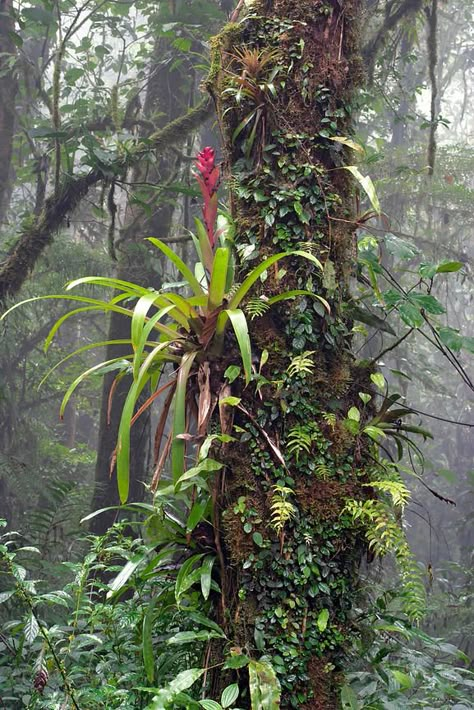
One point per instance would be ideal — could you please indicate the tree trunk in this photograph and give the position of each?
(167, 97)
(290, 583)
(8, 91)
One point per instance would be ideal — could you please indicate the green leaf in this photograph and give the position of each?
(429, 303)
(230, 401)
(5, 596)
(206, 576)
(451, 338)
(263, 266)
(123, 439)
(365, 397)
(378, 379)
(236, 662)
(207, 465)
(349, 142)
(375, 432)
(183, 637)
(403, 679)
(367, 185)
(229, 695)
(124, 575)
(411, 315)
(147, 638)
(322, 620)
(73, 386)
(178, 446)
(203, 246)
(445, 267)
(349, 698)
(31, 629)
(218, 278)
(264, 686)
(427, 270)
(239, 324)
(184, 270)
(210, 705)
(258, 539)
(354, 414)
(196, 515)
(181, 584)
(183, 681)
(232, 372)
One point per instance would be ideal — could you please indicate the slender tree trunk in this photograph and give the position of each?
(290, 583)
(8, 91)
(166, 97)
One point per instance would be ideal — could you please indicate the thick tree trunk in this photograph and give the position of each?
(8, 91)
(288, 593)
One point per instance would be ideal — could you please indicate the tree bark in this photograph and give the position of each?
(8, 91)
(288, 592)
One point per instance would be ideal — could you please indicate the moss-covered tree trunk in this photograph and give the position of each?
(284, 81)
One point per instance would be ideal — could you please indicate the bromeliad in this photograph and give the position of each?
(186, 331)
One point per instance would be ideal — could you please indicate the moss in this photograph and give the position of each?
(322, 686)
(324, 499)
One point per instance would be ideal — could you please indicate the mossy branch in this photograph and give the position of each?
(39, 231)
(393, 16)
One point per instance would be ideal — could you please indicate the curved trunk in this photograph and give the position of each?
(292, 556)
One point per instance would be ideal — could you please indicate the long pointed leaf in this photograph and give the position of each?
(263, 266)
(119, 284)
(123, 439)
(72, 387)
(204, 246)
(178, 446)
(218, 278)
(184, 270)
(239, 324)
(84, 348)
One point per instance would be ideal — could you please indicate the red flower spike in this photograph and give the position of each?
(208, 179)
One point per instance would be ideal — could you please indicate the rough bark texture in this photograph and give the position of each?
(8, 91)
(289, 191)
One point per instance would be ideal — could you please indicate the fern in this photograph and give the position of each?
(384, 536)
(330, 419)
(301, 364)
(396, 489)
(299, 439)
(323, 471)
(256, 307)
(282, 510)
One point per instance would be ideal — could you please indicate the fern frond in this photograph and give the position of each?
(301, 364)
(256, 307)
(330, 419)
(323, 471)
(282, 510)
(385, 535)
(299, 439)
(396, 489)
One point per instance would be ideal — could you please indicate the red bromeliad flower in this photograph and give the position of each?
(208, 179)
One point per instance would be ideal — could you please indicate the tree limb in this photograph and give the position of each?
(37, 235)
(375, 44)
